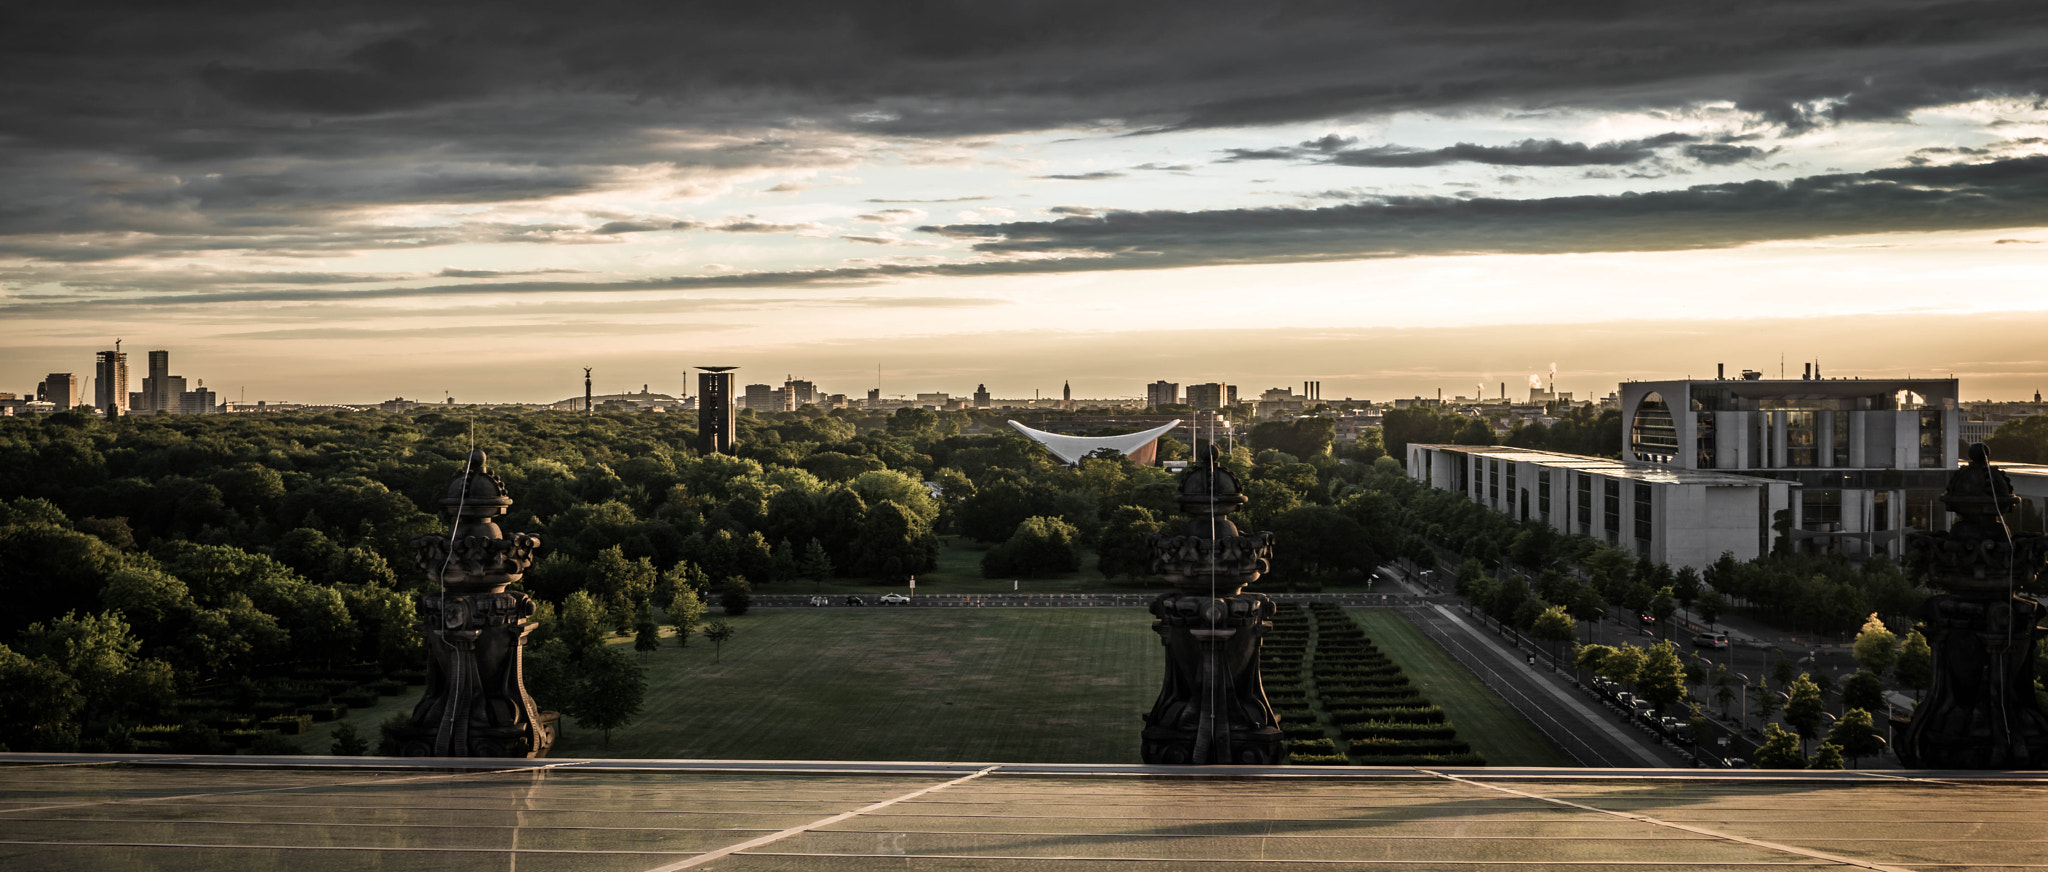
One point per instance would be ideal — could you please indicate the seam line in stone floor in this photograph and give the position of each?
(1755, 843)
(484, 773)
(771, 838)
(214, 846)
(1305, 861)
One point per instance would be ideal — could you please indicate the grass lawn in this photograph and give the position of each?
(1494, 728)
(960, 572)
(320, 739)
(996, 685)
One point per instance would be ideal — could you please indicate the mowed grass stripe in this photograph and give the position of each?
(984, 685)
(1485, 721)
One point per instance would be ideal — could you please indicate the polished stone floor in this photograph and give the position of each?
(77, 812)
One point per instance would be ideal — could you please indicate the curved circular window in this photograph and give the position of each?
(1653, 433)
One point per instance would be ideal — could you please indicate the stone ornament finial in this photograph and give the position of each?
(1212, 706)
(1981, 711)
(476, 704)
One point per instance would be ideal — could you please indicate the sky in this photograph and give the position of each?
(346, 201)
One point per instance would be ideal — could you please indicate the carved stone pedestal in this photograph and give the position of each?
(1212, 707)
(1981, 712)
(476, 703)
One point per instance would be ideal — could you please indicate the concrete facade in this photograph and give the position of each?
(1868, 458)
(1675, 516)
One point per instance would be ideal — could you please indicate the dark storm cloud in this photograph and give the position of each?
(1715, 154)
(207, 122)
(1333, 149)
(2011, 193)
(2000, 194)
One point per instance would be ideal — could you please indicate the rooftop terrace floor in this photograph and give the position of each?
(117, 813)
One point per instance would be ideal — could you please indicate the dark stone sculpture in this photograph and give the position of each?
(1212, 707)
(1981, 712)
(476, 703)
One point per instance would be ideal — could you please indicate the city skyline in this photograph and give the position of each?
(351, 202)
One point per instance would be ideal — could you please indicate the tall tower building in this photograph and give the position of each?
(60, 388)
(156, 393)
(1067, 396)
(715, 430)
(110, 381)
(981, 400)
(1162, 393)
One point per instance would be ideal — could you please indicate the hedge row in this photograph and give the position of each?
(1420, 714)
(1380, 747)
(1395, 730)
(1466, 759)
(1318, 760)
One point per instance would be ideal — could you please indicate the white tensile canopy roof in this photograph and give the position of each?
(1136, 446)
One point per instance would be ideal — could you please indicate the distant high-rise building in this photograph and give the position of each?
(60, 388)
(198, 401)
(874, 398)
(981, 400)
(715, 430)
(1212, 396)
(1163, 393)
(1067, 395)
(110, 381)
(762, 398)
(156, 393)
(801, 392)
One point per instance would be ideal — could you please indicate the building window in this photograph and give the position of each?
(1930, 440)
(1881, 511)
(1464, 476)
(1511, 481)
(1428, 458)
(1653, 433)
(1820, 511)
(1643, 525)
(1585, 504)
(1704, 442)
(1800, 438)
(1543, 495)
(1613, 489)
(1493, 482)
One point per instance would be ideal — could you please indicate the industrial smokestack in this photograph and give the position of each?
(1720, 371)
(1806, 371)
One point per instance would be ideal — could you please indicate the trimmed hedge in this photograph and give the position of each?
(1467, 759)
(1419, 714)
(324, 713)
(1380, 747)
(290, 725)
(1319, 745)
(1359, 730)
(1318, 760)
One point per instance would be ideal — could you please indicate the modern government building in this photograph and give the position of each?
(1707, 465)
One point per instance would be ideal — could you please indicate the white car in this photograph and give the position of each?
(821, 601)
(895, 599)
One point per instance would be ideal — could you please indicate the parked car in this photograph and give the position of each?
(821, 601)
(895, 599)
(856, 601)
(1710, 640)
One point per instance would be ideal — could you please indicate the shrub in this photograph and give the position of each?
(290, 725)
(324, 713)
(1318, 760)
(1317, 745)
